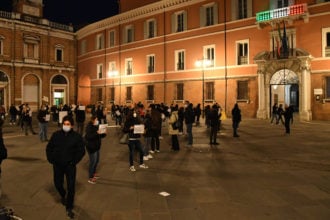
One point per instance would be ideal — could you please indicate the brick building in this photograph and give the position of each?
(37, 58)
(252, 52)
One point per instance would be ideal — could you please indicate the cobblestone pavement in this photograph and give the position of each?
(263, 174)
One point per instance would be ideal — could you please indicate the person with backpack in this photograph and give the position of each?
(173, 128)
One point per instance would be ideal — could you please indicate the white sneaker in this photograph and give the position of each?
(145, 158)
(132, 168)
(150, 156)
(143, 166)
(151, 151)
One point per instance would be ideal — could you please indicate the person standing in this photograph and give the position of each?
(27, 119)
(274, 113)
(80, 119)
(93, 137)
(147, 136)
(134, 142)
(214, 122)
(156, 126)
(189, 118)
(288, 118)
(43, 118)
(174, 132)
(280, 112)
(198, 112)
(13, 114)
(3, 152)
(236, 118)
(64, 151)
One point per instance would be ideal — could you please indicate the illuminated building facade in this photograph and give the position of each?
(256, 53)
(37, 58)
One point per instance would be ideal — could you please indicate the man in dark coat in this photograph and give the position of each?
(236, 117)
(214, 122)
(64, 150)
(189, 118)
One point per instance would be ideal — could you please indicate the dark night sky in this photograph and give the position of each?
(77, 12)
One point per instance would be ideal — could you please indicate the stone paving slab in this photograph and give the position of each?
(263, 174)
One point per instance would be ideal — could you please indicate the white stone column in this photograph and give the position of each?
(305, 91)
(261, 113)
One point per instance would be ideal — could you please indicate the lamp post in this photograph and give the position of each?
(202, 63)
(112, 74)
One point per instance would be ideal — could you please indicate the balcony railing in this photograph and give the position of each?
(35, 20)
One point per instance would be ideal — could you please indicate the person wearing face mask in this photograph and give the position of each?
(43, 118)
(64, 151)
(133, 139)
(93, 137)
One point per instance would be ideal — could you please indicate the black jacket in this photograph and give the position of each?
(41, 116)
(128, 124)
(65, 148)
(93, 138)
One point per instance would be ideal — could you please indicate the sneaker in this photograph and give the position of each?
(92, 180)
(70, 213)
(158, 151)
(151, 151)
(150, 156)
(132, 168)
(145, 158)
(143, 166)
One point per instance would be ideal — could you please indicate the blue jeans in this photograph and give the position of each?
(189, 133)
(132, 145)
(43, 131)
(93, 162)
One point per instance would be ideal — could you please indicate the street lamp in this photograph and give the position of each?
(202, 63)
(112, 74)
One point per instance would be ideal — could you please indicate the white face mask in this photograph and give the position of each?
(66, 128)
(96, 123)
(134, 115)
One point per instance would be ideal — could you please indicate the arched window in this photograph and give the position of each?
(59, 80)
(3, 77)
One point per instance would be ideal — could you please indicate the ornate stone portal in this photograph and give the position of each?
(294, 70)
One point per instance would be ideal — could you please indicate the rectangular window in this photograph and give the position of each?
(179, 60)
(99, 41)
(209, 55)
(150, 92)
(151, 63)
(59, 54)
(99, 94)
(242, 53)
(179, 91)
(129, 93)
(129, 66)
(151, 28)
(99, 69)
(327, 92)
(129, 34)
(112, 66)
(242, 9)
(180, 22)
(112, 38)
(209, 93)
(242, 90)
(282, 3)
(208, 14)
(327, 44)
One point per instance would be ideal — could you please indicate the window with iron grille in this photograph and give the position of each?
(242, 90)
(150, 92)
(99, 94)
(129, 93)
(327, 82)
(209, 90)
(179, 91)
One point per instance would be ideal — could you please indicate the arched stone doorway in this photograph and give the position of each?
(284, 89)
(3, 89)
(292, 75)
(59, 90)
(31, 91)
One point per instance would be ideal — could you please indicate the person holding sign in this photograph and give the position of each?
(134, 127)
(93, 137)
(43, 119)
